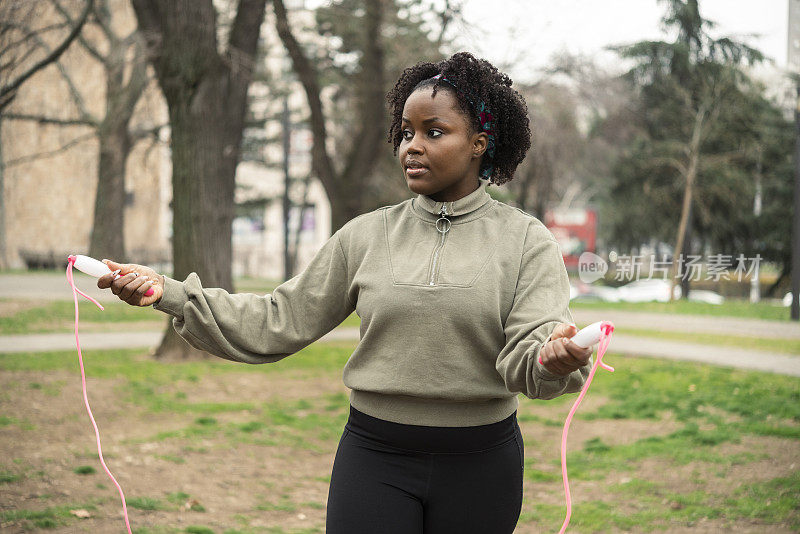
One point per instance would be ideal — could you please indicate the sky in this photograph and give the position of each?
(523, 34)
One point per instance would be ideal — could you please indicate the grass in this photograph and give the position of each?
(730, 308)
(139, 368)
(284, 504)
(84, 470)
(6, 477)
(783, 346)
(50, 517)
(144, 503)
(297, 424)
(6, 420)
(655, 505)
(713, 413)
(646, 389)
(59, 316)
(712, 408)
(727, 404)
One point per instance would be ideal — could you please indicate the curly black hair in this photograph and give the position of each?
(482, 81)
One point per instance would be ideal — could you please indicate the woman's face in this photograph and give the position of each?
(439, 152)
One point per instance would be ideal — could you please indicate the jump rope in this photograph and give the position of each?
(599, 332)
(95, 268)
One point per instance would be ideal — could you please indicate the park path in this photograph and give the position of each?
(621, 344)
(53, 287)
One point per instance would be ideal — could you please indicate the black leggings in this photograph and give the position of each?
(391, 478)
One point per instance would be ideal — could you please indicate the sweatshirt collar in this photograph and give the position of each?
(462, 206)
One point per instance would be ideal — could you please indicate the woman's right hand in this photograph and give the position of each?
(133, 283)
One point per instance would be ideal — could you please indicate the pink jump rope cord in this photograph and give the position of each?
(605, 338)
(606, 328)
(75, 292)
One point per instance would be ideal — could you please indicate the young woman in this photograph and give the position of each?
(463, 303)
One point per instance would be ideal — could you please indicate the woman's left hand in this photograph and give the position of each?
(560, 355)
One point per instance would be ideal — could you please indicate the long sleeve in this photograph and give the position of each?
(262, 329)
(541, 302)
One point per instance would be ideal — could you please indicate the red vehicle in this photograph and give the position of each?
(575, 230)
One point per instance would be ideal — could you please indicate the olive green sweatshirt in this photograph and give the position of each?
(456, 300)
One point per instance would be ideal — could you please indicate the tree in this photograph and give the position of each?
(21, 56)
(557, 144)
(378, 38)
(580, 118)
(770, 158)
(19, 42)
(205, 83)
(345, 187)
(691, 90)
(126, 79)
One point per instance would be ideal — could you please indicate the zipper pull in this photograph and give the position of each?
(445, 222)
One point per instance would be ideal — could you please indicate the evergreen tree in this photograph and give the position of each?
(692, 164)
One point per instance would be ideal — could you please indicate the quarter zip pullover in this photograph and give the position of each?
(456, 300)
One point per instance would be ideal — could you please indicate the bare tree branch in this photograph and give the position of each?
(675, 163)
(76, 96)
(138, 79)
(7, 91)
(244, 36)
(364, 152)
(144, 133)
(308, 77)
(103, 15)
(29, 33)
(81, 39)
(453, 10)
(50, 153)
(48, 120)
(148, 13)
(18, 60)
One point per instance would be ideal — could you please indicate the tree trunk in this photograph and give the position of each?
(206, 95)
(108, 236)
(523, 188)
(345, 189)
(685, 209)
(3, 259)
(365, 153)
(686, 281)
(785, 271)
(693, 157)
(542, 199)
(203, 171)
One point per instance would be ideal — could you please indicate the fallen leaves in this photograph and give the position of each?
(83, 514)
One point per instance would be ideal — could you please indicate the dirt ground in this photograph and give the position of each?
(252, 485)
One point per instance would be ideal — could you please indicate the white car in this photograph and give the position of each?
(647, 291)
(702, 295)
